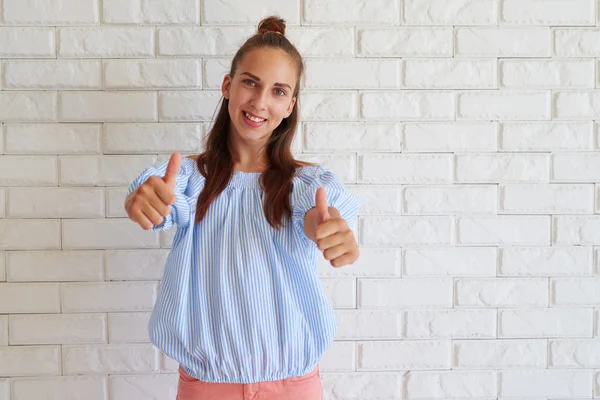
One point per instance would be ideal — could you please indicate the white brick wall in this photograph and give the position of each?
(470, 130)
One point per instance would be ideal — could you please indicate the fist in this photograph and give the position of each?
(150, 202)
(332, 234)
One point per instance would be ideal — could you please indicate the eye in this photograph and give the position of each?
(280, 92)
(249, 82)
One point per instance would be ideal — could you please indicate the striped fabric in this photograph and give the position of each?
(241, 302)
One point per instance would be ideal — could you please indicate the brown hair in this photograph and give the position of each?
(216, 163)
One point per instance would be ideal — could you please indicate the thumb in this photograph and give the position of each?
(321, 205)
(172, 169)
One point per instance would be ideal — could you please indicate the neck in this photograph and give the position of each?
(249, 157)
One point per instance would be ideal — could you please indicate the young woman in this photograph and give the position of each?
(241, 308)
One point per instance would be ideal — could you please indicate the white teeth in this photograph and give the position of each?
(251, 118)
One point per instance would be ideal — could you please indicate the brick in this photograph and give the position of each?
(546, 136)
(451, 384)
(577, 42)
(405, 231)
(546, 74)
(51, 12)
(372, 263)
(108, 296)
(55, 74)
(329, 106)
(377, 199)
(63, 387)
(28, 106)
(135, 264)
(545, 322)
(5, 391)
(351, 136)
(58, 266)
(28, 171)
(362, 385)
(55, 203)
(575, 167)
(503, 42)
(205, 41)
(322, 41)
(188, 105)
(502, 168)
(449, 137)
(575, 353)
(503, 229)
(407, 105)
(109, 359)
(501, 354)
(542, 383)
(454, 12)
(102, 170)
(382, 12)
(108, 106)
(152, 138)
(341, 292)
(450, 74)
(150, 74)
(405, 42)
(111, 233)
(406, 168)
(3, 331)
(341, 165)
(25, 42)
(444, 200)
(29, 298)
(456, 324)
(151, 12)
(576, 230)
(404, 293)
(53, 139)
(215, 70)
(229, 11)
(115, 202)
(128, 327)
(503, 105)
(141, 386)
(106, 42)
(168, 364)
(546, 199)
(452, 261)
(577, 105)
(545, 261)
(2, 210)
(342, 74)
(30, 234)
(30, 360)
(368, 324)
(494, 292)
(411, 355)
(575, 291)
(340, 356)
(57, 329)
(561, 12)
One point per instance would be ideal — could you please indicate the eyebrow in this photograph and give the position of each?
(256, 78)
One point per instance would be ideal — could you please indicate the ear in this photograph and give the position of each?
(291, 107)
(226, 86)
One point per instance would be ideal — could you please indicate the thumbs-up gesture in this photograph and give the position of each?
(331, 232)
(149, 203)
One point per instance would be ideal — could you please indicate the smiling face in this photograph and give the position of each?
(261, 94)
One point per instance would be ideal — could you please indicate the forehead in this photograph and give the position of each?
(270, 65)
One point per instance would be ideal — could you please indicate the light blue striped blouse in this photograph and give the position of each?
(241, 302)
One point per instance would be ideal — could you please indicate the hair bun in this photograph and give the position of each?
(272, 23)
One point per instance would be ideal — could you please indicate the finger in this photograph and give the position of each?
(336, 251)
(139, 217)
(172, 169)
(157, 188)
(344, 260)
(321, 205)
(331, 241)
(153, 215)
(331, 227)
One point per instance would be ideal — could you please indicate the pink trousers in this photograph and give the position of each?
(306, 387)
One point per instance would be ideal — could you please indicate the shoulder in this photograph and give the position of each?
(316, 175)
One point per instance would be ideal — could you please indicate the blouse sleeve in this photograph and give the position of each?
(303, 199)
(180, 210)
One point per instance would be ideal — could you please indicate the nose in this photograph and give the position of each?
(259, 100)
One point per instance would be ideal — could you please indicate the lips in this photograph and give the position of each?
(253, 120)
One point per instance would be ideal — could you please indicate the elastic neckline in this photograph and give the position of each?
(243, 179)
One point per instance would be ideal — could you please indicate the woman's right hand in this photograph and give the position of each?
(150, 202)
